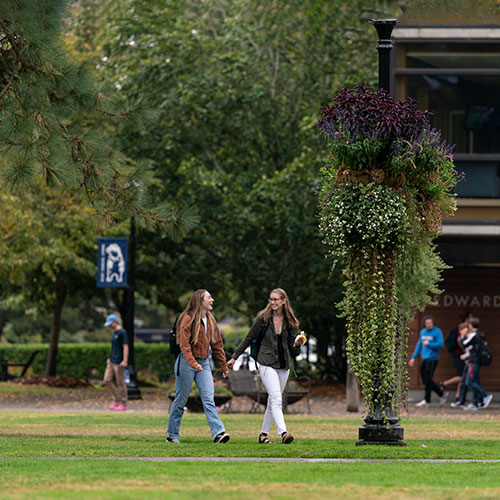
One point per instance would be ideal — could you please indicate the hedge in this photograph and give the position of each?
(89, 360)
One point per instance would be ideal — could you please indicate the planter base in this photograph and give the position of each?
(378, 431)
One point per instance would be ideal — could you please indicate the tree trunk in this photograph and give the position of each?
(55, 327)
(352, 391)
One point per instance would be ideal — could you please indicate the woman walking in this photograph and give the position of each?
(277, 329)
(197, 330)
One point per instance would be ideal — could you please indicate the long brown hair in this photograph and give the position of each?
(195, 310)
(287, 309)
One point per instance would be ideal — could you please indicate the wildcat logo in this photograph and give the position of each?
(112, 263)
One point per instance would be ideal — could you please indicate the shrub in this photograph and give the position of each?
(85, 360)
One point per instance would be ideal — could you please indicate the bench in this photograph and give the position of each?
(296, 389)
(4, 373)
(247, 383)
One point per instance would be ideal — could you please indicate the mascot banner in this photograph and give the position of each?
(112, 263)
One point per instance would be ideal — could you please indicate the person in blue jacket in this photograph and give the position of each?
(428, 345)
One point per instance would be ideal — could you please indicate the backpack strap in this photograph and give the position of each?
(177, 341)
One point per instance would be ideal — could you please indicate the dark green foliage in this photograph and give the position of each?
(451, 11)
(55, 122)
(89, 360)
(237, 86)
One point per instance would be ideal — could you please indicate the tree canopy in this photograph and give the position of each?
(237, 86)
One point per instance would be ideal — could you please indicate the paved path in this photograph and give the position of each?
(157, 402)
(263, 459)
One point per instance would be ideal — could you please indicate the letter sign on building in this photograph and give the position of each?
(112, 263)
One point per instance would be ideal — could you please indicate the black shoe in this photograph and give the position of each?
(223, 437)
(286, 438)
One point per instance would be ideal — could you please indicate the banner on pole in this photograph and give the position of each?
(112, 263)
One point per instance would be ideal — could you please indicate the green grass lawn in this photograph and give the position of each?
(24, 436)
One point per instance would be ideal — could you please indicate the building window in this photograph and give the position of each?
(459, 83)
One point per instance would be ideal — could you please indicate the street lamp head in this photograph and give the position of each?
(384, 27)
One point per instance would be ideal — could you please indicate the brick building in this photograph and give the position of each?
(454, 71)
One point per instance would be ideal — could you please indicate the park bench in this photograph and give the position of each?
(248, 383)
(4, 373)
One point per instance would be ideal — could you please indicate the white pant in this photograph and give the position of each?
(274, 381)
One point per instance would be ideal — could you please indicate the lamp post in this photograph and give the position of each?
(384, 29)
(133, 390)
(377, 428)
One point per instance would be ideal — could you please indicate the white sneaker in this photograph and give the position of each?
(422, 403)
(471, 406)
(487, 400)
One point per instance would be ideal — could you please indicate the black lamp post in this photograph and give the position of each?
(133, 390)
(377, 429)
(384, 29)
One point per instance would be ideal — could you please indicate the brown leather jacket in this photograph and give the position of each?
(200, 349)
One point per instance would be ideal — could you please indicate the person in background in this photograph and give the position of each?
(116, 364)
(454, 346)
(281, 339)
(480, 398)
(428, 345)
(198, 331)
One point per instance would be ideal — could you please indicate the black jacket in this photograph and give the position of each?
(471, 345)
(268, 353)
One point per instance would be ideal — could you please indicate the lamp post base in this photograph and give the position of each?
(133, 391)
(380, 430)
(381, 434)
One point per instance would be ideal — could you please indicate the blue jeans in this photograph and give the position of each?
(183, 383)
(463, 385)
(474, 382)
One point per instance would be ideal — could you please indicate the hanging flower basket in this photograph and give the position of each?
(385, 187)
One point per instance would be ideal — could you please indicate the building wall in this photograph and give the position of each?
(451, 70)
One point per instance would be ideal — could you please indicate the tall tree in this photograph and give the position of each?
(55, 132)
(48, 249)
(237, 86)
(53, 127)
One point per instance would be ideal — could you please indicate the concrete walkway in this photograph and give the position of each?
(157, 402)
(264, 459)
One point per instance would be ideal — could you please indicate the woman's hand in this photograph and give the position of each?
(199, 368)
(411, 362)
(230, 363)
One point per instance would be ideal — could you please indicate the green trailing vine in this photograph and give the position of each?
(387, 183)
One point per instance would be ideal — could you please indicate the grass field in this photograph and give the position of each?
(24, 436)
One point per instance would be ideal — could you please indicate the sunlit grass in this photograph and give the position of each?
(38, 434)
(24, 478)
(77, 435)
